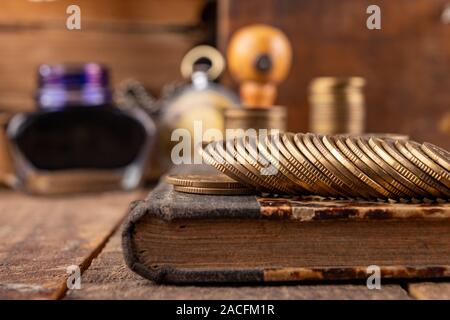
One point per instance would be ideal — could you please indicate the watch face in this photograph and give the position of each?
(198, 112)
(78, 138)
(201, 106)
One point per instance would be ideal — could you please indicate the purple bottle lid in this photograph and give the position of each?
(68, 85)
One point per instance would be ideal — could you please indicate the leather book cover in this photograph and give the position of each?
(174, 237)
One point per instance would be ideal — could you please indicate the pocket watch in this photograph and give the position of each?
(199, 105)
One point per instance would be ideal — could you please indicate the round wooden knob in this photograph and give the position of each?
(259, 57)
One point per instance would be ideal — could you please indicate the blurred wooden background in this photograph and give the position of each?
(406, 64)
(136, 38)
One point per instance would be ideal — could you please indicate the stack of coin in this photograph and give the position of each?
(337, 105)
(207, 183)
(255, 118)
(336, 166)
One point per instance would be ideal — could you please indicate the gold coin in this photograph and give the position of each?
(271, 149)
(360, 147)
(413, 151)
(441, 156)
(370, 170)
(356, 98)
(297, 164)
(237, 161)
(214, 191)
(337, 105)
(235, 166)
(420, 187)
(301, 153)
(253, 167)
(336, 83)
(204, 180)
(300, 162)
(338, 117)
(430, 184)
(256, 146)
(261, 166)
(220, 162)
(255, 113)
(376, 189)
(359, 190)
(321, 162)
(393, 136)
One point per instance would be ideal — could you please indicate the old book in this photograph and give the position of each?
(175, 237)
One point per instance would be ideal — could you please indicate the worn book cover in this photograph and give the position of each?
(175, 237)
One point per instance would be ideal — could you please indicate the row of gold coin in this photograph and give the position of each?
(337, 166)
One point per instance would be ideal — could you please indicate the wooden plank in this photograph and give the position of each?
(406, 63)
(40, 237)
(150, 57)
(109, 278)
(430, 291)
(160, 12)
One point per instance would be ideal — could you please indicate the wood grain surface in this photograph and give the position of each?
(144, 40)
(128, 54)
(157, 12)
(41, 237)
(109, 278)
(406, 63)
(430, 291)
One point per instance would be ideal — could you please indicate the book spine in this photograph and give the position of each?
(167, 274)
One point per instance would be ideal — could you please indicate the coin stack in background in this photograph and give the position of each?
(335, 166)
(337, 105)
(274, 117)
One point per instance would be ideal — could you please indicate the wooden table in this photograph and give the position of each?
(40, 237)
